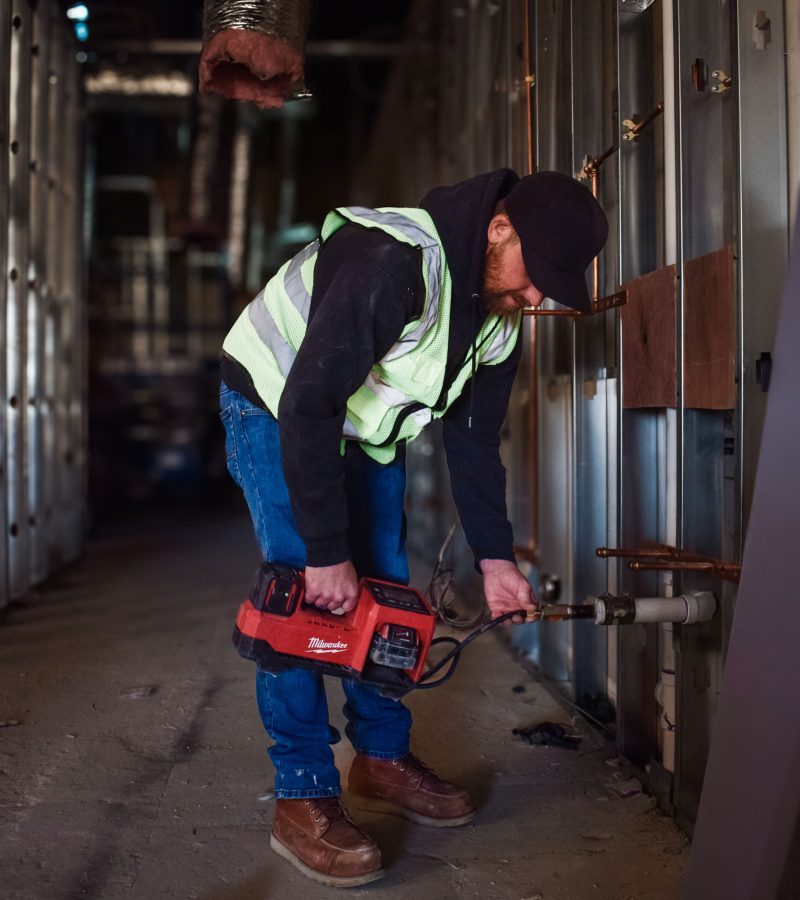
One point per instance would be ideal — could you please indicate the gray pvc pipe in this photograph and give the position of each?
(687, 609)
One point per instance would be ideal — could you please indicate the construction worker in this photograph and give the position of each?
(393, 318)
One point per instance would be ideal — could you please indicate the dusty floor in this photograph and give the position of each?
(132, 762)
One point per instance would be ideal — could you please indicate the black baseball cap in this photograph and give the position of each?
(561, 228)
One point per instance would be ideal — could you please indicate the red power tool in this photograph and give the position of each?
(384, 640)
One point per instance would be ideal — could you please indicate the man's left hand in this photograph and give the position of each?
(506, 589)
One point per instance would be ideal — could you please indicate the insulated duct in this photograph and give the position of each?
(253, 50)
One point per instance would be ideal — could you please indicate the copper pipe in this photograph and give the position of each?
(596, 260)
(619, 298)
(639, 126)
(530, 552)
(533, 311)
(725, 571)
(524, 551)
(592, 170)
(530, 80)
(617, 553)
(660, 557)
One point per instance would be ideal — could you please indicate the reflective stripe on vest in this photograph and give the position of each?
(405, 389)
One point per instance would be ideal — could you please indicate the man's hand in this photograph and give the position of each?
(506, 588)
(334, 588)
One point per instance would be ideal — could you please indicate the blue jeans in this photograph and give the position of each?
(292, 703)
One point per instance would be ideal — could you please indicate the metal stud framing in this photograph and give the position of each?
(5, 152)
(701, 176)
(42, 382)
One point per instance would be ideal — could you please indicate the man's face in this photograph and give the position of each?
(506, 286)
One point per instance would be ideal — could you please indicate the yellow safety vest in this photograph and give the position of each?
(406, 389)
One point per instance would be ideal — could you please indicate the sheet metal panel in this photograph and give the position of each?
(642, 513)
(640, 89)
(5, 77)
(594, 131)
(73, 351)
(593, 454)
(53, 241)
(700, 658)
(765, 212)
(555, 350)
(16, 314)
(553, 55)
(556, 653)
(637, 645)
(516, 89)
(709, 215)
(54, 374)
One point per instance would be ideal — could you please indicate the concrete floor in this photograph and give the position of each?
(132, 761)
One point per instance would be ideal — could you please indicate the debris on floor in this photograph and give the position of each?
(549, 734)
(9, 723)
(138, 693)
(625, 788)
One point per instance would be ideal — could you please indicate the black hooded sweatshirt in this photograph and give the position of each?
(367, 287)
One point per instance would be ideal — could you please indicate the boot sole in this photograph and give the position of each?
(321, 877)
(386, 806)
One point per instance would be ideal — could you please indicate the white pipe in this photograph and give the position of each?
(665, 697)
(659, 609)
(688, 609)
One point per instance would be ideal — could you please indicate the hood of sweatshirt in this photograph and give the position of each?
(461, 213)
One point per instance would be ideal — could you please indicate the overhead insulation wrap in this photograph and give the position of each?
(253, 50)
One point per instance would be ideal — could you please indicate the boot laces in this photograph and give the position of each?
(410, 763)
(329, 807)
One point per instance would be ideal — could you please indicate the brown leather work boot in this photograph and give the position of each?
(410, 788)
(322, 841)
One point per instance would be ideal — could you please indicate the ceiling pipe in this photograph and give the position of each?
(254, 50)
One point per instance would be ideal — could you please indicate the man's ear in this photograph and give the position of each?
(500, 229)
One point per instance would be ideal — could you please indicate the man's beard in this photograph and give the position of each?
(495, 299)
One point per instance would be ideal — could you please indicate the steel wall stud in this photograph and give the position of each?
(39, 561)
(5, 73)
(16, 314)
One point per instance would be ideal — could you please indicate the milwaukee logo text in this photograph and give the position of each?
(317, 645)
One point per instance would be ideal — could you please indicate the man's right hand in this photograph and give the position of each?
(334, 588)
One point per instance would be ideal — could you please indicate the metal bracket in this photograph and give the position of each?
(723, 82)
(635, 128)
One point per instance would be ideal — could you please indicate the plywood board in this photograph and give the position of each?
(649, 373)
(709, 332)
